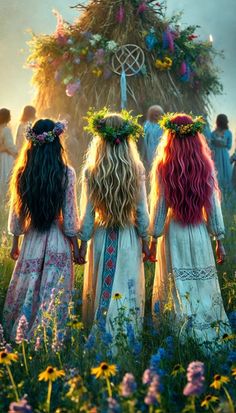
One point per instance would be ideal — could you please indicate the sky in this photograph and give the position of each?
(216, 17)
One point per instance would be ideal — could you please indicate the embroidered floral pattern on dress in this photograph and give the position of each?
(58, 260)
(70, 209)
(29, 266)
(188, 274)
(110, 257)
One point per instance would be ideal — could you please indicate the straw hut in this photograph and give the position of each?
(121, 52)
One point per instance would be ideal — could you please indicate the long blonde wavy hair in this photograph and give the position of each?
(112, 172)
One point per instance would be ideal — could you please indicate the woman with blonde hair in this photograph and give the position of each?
(115, 218)
(28, 116)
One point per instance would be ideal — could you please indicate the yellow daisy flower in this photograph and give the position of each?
(209, 399)
(51, 373)
(78, 325)
(178, 369)
(219, 381)
(117, 296)
(6, 358)
(104, 370)
(234, 372)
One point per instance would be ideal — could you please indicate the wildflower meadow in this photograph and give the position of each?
(77, 369)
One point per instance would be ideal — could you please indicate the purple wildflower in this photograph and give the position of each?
(153, 391)
(57, 343)
(196, 379)
(22, 329)
(113, 405)
(8, 348)
(147, 376)
(128, 385)
(2, 338)
(37, 344)
(20, 407)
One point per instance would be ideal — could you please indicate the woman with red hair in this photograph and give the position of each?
(185, 211)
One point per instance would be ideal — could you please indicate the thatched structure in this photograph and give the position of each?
(72, 67)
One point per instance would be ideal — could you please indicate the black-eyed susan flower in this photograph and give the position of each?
(117, 296)
(228, 337)
(7, 358)
(209, 399)
(104, 370)
(234, 372)
(177, 369)
(219, 381)
(51, 373)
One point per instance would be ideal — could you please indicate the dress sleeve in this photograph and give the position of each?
(215, 222)
(87, 218)
(10, 147)
(142, 215)
(229, 140)
(158, 216)
(15, 227)
(70, 209)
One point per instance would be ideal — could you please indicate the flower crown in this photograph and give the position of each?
(129, 128)
(45, 137)
(167, 123)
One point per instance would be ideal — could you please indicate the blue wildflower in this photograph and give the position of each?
(157, 358)
(107, 338)
(156, 307)
(137, 348)
(89, 345)
(232, 319)
(231, 357)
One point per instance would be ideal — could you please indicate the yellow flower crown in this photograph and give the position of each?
(167, 123)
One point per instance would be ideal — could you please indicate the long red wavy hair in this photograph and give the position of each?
(184, 170)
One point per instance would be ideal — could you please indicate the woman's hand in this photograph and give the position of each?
(15, 252)
(220, 252)
(82, 253)
(145, 250)
(153, 251)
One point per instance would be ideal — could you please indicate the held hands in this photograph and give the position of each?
(15, 252)
(82, 253)
(153, 251)
(220, 252)
(145, 250)
(149, 252)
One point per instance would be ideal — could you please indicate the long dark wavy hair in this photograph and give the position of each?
(39, 181)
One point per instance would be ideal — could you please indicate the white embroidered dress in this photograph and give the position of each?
(115, 263)
(45, 262)
(186, 273)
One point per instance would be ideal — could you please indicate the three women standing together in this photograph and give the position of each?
(185, 209)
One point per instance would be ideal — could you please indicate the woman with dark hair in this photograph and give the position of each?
(28, 116)
(44, 210)
(185, 209)
(8, 150)
(221, 143)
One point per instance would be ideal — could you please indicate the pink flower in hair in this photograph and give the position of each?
(72, 88)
